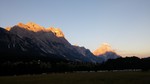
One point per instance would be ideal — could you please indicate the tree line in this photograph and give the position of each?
(38, 66)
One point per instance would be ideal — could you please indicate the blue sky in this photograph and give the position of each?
(124, 24)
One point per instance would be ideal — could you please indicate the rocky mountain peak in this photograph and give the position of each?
(56, 31)
(36, 28)
(30, 26)
(105, 47)
(8, 28)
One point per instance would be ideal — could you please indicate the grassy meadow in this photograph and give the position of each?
(80, 78)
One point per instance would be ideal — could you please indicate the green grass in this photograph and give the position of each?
(80, 78)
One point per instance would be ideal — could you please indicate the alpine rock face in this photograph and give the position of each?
(34, 41)
(105, 52)
(87, 53)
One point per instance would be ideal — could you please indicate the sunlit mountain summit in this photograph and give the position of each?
(105, 47)
(106, 52)
(31, 26)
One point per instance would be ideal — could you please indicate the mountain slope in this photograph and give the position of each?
(34, 41)
(87, 53)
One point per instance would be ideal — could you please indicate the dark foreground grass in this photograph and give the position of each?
(81, 78)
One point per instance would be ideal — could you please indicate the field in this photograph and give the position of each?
(80, 78)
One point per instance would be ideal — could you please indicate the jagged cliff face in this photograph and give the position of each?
(49, 40)
(37, 28)
(87, 53)
(34, 40)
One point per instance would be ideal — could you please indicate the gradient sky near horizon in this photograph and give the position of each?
(124, 24)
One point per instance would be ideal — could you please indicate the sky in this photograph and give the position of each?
(124, 24)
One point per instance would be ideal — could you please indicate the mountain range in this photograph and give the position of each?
(32, 41)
